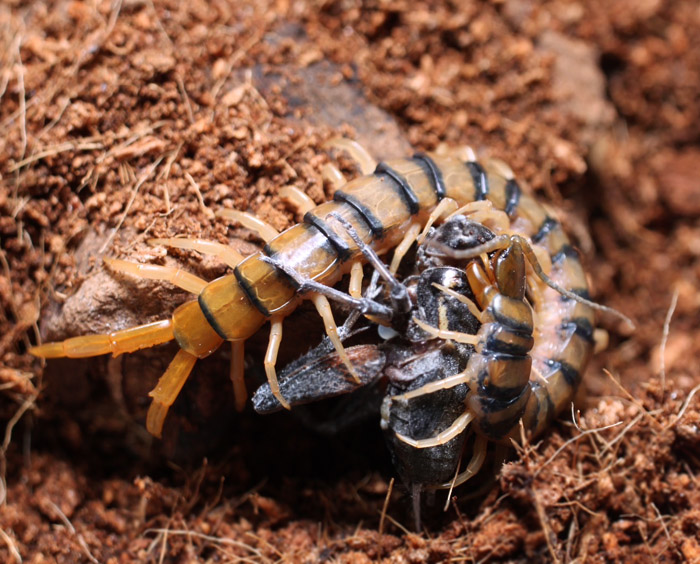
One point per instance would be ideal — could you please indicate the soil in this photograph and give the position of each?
(131, 119)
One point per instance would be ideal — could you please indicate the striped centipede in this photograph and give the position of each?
(390, 207)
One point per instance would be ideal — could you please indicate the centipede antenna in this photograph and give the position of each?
(364, 305)
(399, 292)
(532, 259)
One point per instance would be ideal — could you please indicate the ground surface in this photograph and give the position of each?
(129, 119)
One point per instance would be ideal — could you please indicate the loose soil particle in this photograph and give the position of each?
(121, 121)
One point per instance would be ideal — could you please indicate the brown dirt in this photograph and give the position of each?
(129, 119)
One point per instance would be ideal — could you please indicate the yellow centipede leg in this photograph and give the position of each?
(431, 387)
(240, 393)
(445, 208)
(167, 389)
(333, 176)
(454, 430)
(475, 464)
(405, 244)
(263, 229)
(273, 347)
(473, 308)
(297, 198)
(446, 335)
(365, 161)
(176, 276)
(324, 310)
(356, 276)
(229, 256)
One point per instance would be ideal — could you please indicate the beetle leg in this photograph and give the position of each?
(175, 275)
(118, 342)
(358, 153)
(273, 347)
(365, 306)
(224, 253)
(167, 389)
(399, 293)
(298, 199)
(237, 374)
(457, 428)
(263, 229)
(405, 244)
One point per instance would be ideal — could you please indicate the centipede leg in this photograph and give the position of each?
(445, 208)
(167, 389)
(237, 374)
(485, 213)
(446, 335)
(297, 198)
(358, 153)
(475, 464)
(273, 347)
(463, 152)
(176, 276)
(263, 229)
(356, 276)
(457, 428)
(224, 253)
(405, 244)
(333, 176)
(442, 384)
(324, 310)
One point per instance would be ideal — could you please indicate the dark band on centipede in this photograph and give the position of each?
(373, 223)
(211, 319)
(548, 225)
(406, 192)
(250, 292)
(565, 252)
(513, 193)
(571, 375)
(581, 327)
(340, 246)
(481, 181)
(432, 171)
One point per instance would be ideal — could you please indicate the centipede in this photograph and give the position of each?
(390, 207)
